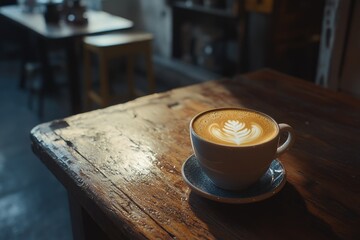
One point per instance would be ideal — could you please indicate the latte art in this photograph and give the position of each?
(235, 127)
(236, 132)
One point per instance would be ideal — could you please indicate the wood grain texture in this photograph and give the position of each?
(123, 163)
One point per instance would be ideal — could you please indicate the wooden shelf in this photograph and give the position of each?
(208, 37)
(208, 10)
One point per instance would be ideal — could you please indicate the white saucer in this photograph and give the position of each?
(269, 184)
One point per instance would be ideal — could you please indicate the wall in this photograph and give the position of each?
(149, 15)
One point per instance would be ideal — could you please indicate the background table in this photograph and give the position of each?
(123, 164)
(98, 22)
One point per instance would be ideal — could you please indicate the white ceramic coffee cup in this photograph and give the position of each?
(238, 167)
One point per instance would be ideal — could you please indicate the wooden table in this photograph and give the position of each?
(34, 22)
(123, 164)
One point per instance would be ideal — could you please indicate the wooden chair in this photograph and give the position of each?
(107, 47)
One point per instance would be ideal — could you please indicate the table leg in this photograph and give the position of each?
(73, 75)
(46, 78)
(83, 226)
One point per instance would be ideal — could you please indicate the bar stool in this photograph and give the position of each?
(107, 47)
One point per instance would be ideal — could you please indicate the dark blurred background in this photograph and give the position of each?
(194, 41)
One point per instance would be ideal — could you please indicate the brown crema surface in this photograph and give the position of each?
(234, 127)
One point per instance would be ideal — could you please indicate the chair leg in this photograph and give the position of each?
(87, 79)
(150, 71)
(24, 60)
(104, 81)
(130, 75)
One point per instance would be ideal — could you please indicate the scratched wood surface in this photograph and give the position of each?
(123, 163)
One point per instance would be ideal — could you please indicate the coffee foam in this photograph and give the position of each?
(235, 127)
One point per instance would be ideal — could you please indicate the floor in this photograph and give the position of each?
(33, 204)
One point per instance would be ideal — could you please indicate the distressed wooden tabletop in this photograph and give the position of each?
(123, 163)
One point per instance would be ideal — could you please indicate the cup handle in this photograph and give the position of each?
(289, 141)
